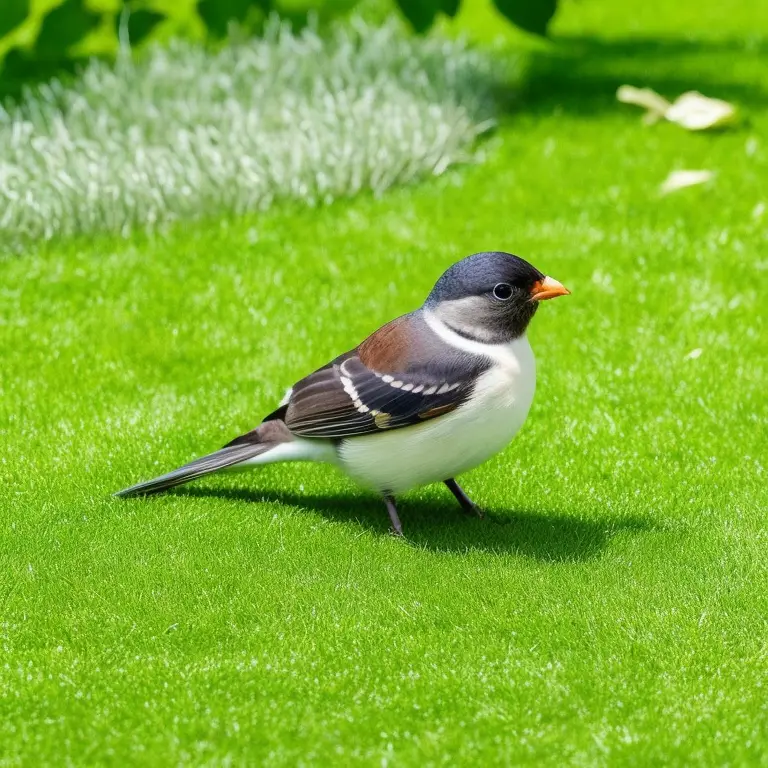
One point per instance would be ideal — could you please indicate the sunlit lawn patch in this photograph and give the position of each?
(611, 610)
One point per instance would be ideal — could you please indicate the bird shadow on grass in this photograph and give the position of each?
(440, 526)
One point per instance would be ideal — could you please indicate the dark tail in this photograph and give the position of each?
(226, 457)
(255, 443)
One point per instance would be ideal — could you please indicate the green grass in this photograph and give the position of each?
(611, 610)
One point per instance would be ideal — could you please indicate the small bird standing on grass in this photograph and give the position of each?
(428, 396)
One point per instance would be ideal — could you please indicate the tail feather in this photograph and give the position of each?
(221, 459)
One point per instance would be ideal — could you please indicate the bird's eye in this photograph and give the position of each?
(502, 291)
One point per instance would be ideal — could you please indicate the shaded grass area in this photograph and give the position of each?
(582, 74)
(610, 610)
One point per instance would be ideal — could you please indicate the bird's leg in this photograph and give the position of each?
(397, 529)
(466, 503)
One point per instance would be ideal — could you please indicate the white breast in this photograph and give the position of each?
(462, 439)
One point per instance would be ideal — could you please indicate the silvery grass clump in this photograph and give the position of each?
(186, 132)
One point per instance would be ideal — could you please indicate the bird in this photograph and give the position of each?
(425, 398)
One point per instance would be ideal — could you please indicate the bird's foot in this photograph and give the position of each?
(397, 528)
(473, 511)
(467, 505)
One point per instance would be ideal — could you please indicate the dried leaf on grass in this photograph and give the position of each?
(692, 110)
(697, 112)
(682, 179)
(655, 104)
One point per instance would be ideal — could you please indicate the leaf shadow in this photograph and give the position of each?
(580, 74)
(439, 525)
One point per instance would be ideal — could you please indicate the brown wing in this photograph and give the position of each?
(401, 375)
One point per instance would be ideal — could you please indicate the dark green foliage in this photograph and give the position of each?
(218, 14)
(12, 14)
(450, 7)
(52, 53)
(140, 24)
(531, 15)
(420, 13)
(63, 28)
(67, 25)
(20, 68)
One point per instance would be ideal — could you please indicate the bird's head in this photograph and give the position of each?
(492, 296)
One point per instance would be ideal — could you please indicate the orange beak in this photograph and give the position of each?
(548, 288)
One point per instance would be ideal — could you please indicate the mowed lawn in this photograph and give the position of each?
(612, 608)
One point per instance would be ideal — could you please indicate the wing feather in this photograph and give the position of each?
(345, 399)
(402, 374)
